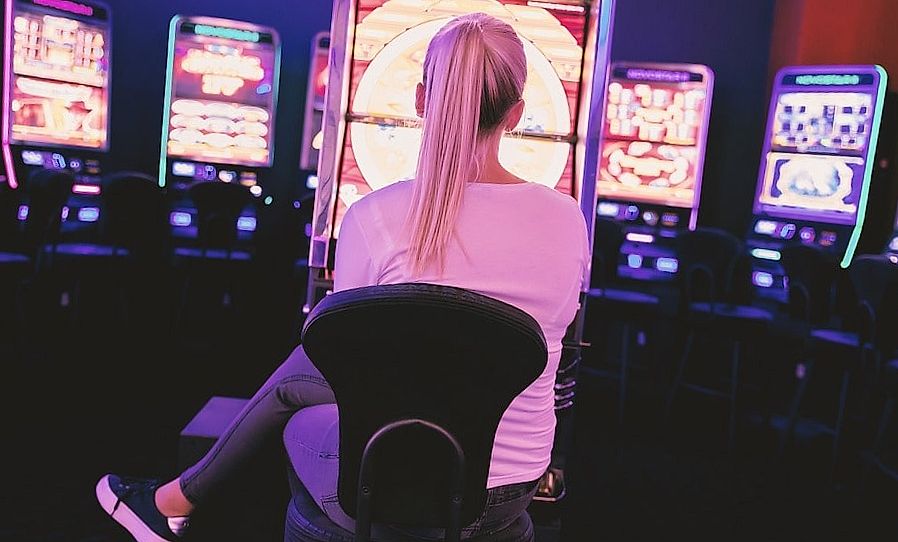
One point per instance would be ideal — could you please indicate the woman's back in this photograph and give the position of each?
(524, 244)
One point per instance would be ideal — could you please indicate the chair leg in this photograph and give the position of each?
(624, 360)
(840, 420)
(679, 376)
(734, 387)
(884, 420)
(794, 408)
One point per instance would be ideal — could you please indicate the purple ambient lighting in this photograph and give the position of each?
(88, 214)
(246, 223)
(180, 219)
(66, 5)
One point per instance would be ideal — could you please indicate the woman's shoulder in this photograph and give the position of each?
(385, 198)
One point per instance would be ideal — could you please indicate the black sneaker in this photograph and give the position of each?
(132, 503)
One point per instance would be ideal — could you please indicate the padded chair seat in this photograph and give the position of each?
(730, 318)
(86, 250)
(626, 304)
(613, 295)
(307, 523)
(11, 258)
(212, 254)
(835, 337)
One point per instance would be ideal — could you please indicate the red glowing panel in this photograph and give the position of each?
(222, 99)
(60, 78)
(391, 39)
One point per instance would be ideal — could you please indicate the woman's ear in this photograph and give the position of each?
(419, 99)
(514, 116)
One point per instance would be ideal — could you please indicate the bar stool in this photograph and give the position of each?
(707, 275)
(870, 335)
(422, 375)
(216, 255)
(130, 240)
(633, 309)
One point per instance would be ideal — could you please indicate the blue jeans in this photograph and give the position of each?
(311, 439)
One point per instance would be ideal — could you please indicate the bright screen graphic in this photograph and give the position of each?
(650, 150)
(391, 39)
(59, 86)
(822, 122)
(222, 95)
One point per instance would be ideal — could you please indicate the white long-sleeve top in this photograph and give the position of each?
(524, 244)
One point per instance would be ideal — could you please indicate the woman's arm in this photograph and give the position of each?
(354, 266)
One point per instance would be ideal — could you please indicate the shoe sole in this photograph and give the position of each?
(124, 515)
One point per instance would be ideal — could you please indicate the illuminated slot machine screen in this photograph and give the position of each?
(56, 74)
(818, 154)
(653, 137)
(312, 136)
(382, 131)
(220, 101)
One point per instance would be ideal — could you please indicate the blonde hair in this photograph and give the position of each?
(474, 72)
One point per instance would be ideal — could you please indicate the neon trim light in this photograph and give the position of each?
(91, 189)
(66, 5)
(828, 79)
(766, 254)
(166, 109)
(226, 33)
(868, 169)
(7, 82)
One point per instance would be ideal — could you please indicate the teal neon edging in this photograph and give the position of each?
(274, 102)
(166, 110)
(868, 169)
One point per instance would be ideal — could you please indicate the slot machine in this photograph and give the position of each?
(56, 96)
(371, 132)
(221, 95)
(312, 135)
(816, 166)
(653, 149)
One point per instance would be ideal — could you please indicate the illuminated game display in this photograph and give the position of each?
(371, 130)
(816, 165)
(312, 136)
(652, 152)
(219, 111)
(56, 86)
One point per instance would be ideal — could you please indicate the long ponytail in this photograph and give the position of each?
(474, 72)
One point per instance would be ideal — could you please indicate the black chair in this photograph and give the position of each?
(47, 192)
(218, 207)
(215, 263)
(634, 310)
(422, 375)
(130, 238)
(869, 335)
(709, 260)
(876, 457)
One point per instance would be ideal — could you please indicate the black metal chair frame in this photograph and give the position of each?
(366, 485)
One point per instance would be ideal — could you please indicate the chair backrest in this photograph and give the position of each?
(218, 207)
(609, 236)
(442, 355)
(875, 281)
(133, 212)
(707, 264)
(48, 191)
(812, 277)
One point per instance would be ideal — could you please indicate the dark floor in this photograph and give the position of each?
(95, 392)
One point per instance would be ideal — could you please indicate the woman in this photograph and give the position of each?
(465, 221)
